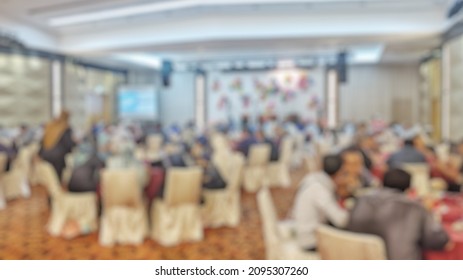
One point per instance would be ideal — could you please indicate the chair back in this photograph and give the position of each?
(259, 154)
(443, 152)
(69, 159)
(47, 177)
(235, 172)
(335, 244)
(154, 143)
(120, 187)
(420, 173)
(269, 219)
(219, 143)
(286, 150)
(3, 162)
(222, 161)
(183, 186)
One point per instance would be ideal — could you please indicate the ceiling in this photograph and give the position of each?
(205, 30)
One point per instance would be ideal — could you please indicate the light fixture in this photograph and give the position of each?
(366, 54)
(140, 59)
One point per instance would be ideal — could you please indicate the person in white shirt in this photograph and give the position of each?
(316, 201)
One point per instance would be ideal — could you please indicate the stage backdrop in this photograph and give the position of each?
(281, 92)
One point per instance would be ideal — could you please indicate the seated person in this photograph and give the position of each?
(406, 226)
(260, 138)
(212, 179)
(366, 144)
(247, 140)
(57, 142)
(10, 153)
(316, 201)
(408, 154)
(85, 178)
(354, 161)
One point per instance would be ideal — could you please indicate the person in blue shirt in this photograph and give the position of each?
(247, 140)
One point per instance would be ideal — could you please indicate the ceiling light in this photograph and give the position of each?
(366, 55)
(140, 59)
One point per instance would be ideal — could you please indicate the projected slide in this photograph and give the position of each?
(138, 103)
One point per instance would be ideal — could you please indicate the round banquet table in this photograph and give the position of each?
(451, 210)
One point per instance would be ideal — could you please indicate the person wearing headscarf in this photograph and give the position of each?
(57, 142)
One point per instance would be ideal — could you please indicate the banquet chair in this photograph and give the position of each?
(278, 172)
(254, 175)
(67, 172)
(420, 173)
(297, 151)
(16, 181)
(219, 143)
(312, 163)
(124, 218)
(278, 246)
(443, 152)
(389, 148)
(177, 217)
(324, 147)
(335, 244)
(222, 207)
(65, 206)
(153, 147)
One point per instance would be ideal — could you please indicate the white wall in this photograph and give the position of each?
(178, 101)
(386, 91)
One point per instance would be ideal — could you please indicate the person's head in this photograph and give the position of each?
(353, 160)
(334, 166)
(397, 179)
(419, 142)
(197, 149)
(64, 116)
(366, 142)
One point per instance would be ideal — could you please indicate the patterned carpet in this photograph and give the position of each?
(23, 235)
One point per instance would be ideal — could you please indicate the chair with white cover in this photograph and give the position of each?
(254, 175)
(297, 150)
(153, 147)
(335, 244)
(222, 207)
(277, 245)
(443, 152)
(67, 172)
(420, 173)
(65, 206)
(177, 217)
(124, 218)
(219, 143)
(16, 181)
(278, 174)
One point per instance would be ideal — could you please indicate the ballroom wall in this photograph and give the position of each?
(89, 93)
(453, 89)
(390, 92)
(25, 90)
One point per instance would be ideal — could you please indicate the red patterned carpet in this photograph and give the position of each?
(23, 235)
